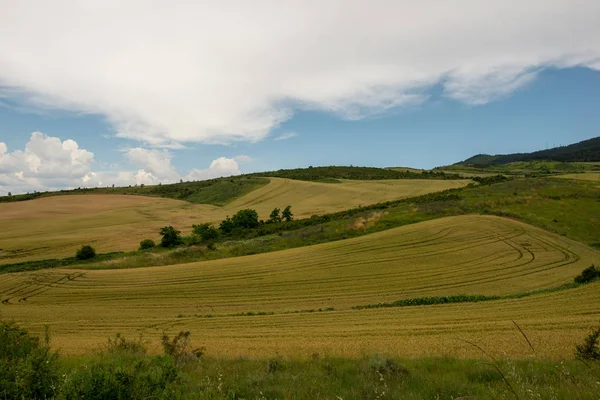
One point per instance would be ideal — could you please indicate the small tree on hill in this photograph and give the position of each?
(246, 219)
(86, 252)
(206, 231)
(147, 244)
(275, 216)
(287, 214)
(226, 226)
(9, 194)
(171, 237)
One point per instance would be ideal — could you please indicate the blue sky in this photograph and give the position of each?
(210, 94)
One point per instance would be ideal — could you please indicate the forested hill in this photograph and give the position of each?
(585, 151)
(333, 173)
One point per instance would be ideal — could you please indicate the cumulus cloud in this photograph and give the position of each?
(45, 163)
(286, 136)
(48, 163)
(156, 164)
(216, 72)
(222, 166)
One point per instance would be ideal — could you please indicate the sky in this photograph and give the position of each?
(137, 92)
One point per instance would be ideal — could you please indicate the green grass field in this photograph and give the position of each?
(269, 303)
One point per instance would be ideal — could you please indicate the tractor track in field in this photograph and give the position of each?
(37, 284)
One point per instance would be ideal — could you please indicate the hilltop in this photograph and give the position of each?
(585, 151)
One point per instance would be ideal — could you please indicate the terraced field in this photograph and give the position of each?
(54, 227)
(218, 301)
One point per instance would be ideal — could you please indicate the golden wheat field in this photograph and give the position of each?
(454, 255)
(54, 227)
(586, 176)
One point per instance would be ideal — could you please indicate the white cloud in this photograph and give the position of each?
(233, 70)
(156, 162)
(242, 158)
(286, 136)
(220, 167)
(46, 163)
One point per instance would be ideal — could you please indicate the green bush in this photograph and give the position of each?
(587, 275)
(123, 378)
(147, 244)
(120, 345)
(206, 231)
(27, 367)
(245, 219)
(86, 252)
(589, 349)
(180, 348)
(171, 237)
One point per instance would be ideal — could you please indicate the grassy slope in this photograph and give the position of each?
(522, 168)
(56, 226)
(586, 176)
(470, 254)
(217, 192)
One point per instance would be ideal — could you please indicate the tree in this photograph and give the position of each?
(9, 194)
(171, 237)
(86, 252)
(246, 219)
(287, 214)
(147, 244)
(206, 231)
(275, 217)
(226, 226)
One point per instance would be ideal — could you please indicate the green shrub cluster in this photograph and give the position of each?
(27, 366)
(147, 244)
(86, 252)
(588, 275)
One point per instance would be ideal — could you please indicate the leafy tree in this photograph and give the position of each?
(9, 194)
(246, 219)
(170, 237)
(27, 366)
(147, 244)
(206, 231)
(86, 252)
(226, 225)
(587, 275)
(287, 214)
(589, 349)
(275, 216)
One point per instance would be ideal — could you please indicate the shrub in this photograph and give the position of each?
(147, 244)
(179, 347)
(27, 367)
(589, 350)
(86, 252)
(123, 378)
(206, 231)
(226, 226)
(171, 237)
(587, 275)
(119, 344)
(246, 219)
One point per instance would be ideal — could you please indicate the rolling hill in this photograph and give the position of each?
(585, 151)
(55, 226)
(300, 301)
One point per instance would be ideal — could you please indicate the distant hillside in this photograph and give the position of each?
(331, 173)
(585, 151)
(221, 191)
